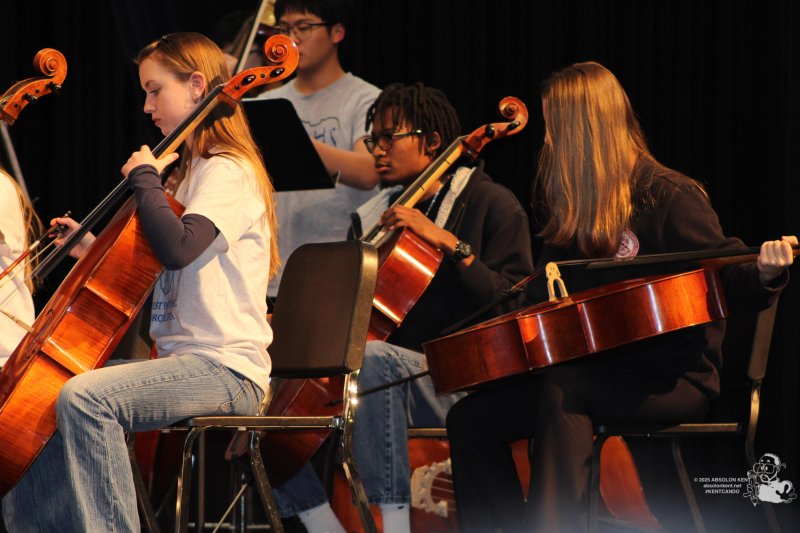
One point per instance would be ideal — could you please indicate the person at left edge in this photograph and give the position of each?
(19, 225)
(209, 306)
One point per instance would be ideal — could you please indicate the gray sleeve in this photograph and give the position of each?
(176, 242)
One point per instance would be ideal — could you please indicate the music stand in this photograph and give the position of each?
(290, 157)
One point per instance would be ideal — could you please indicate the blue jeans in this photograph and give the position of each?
(82, 480)
(380, 437)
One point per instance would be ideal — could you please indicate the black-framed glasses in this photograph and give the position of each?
(386, 140)
(301, 30)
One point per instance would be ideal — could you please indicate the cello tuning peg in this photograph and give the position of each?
(31, 98)
(490, 131)
(55, 87)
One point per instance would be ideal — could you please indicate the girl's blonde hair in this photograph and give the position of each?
(223, 132)
(585, 169)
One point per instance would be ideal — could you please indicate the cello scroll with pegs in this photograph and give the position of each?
(19, 271)
(53, 65)
(91, 310)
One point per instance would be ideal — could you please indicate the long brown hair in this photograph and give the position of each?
(221, 133)
(585, 166)
(33, 228)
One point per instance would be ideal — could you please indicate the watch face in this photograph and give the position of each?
(463, 249)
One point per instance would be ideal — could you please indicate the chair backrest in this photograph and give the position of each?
(748, 337)
(762, 339)
(322, 313)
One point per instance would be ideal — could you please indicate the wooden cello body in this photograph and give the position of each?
(406, 266)
(93, 307)
(575, 326)
(75, 332)
(587, 322)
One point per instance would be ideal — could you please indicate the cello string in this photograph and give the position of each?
(12, 274)
(122, 191)
(55, 232)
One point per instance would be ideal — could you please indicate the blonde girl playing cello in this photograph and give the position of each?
(209, 312)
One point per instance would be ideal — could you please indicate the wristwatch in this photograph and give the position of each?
(463, 250)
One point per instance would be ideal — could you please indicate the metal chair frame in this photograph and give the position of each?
(354, 341)
(759, 352)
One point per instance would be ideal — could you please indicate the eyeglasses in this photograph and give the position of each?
(301, 30)
(386, 140)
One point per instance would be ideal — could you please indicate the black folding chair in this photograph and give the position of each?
(745, 428)
(319, 324)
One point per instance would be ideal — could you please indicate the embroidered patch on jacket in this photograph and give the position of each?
(628, 245)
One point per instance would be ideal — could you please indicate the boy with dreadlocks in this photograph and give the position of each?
(482, 231)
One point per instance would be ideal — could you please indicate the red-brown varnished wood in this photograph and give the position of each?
(285, 453)
(76, 332)
(93, 308)
(405, 261)
(621, 488)
(581, 324)
(53, 65)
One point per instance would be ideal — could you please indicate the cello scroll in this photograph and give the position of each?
(510, 107)
(53, 65)
(283, 57)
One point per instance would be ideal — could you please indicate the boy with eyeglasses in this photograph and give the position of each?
(483, 232)
(332, 105)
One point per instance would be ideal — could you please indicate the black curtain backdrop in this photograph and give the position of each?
(715, 84)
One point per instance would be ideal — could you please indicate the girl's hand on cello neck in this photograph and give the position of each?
(72, 225)
(775, 257)
(145, 157)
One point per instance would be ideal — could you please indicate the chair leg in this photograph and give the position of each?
(262, 483)
(348, 461)
(688, 491)
(750, 452)
(185, 482)
(142, 498)
(594, 483)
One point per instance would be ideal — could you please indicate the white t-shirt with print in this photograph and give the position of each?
(216, 306)
(15, 298)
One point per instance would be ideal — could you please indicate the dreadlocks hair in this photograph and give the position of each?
(419, 107)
